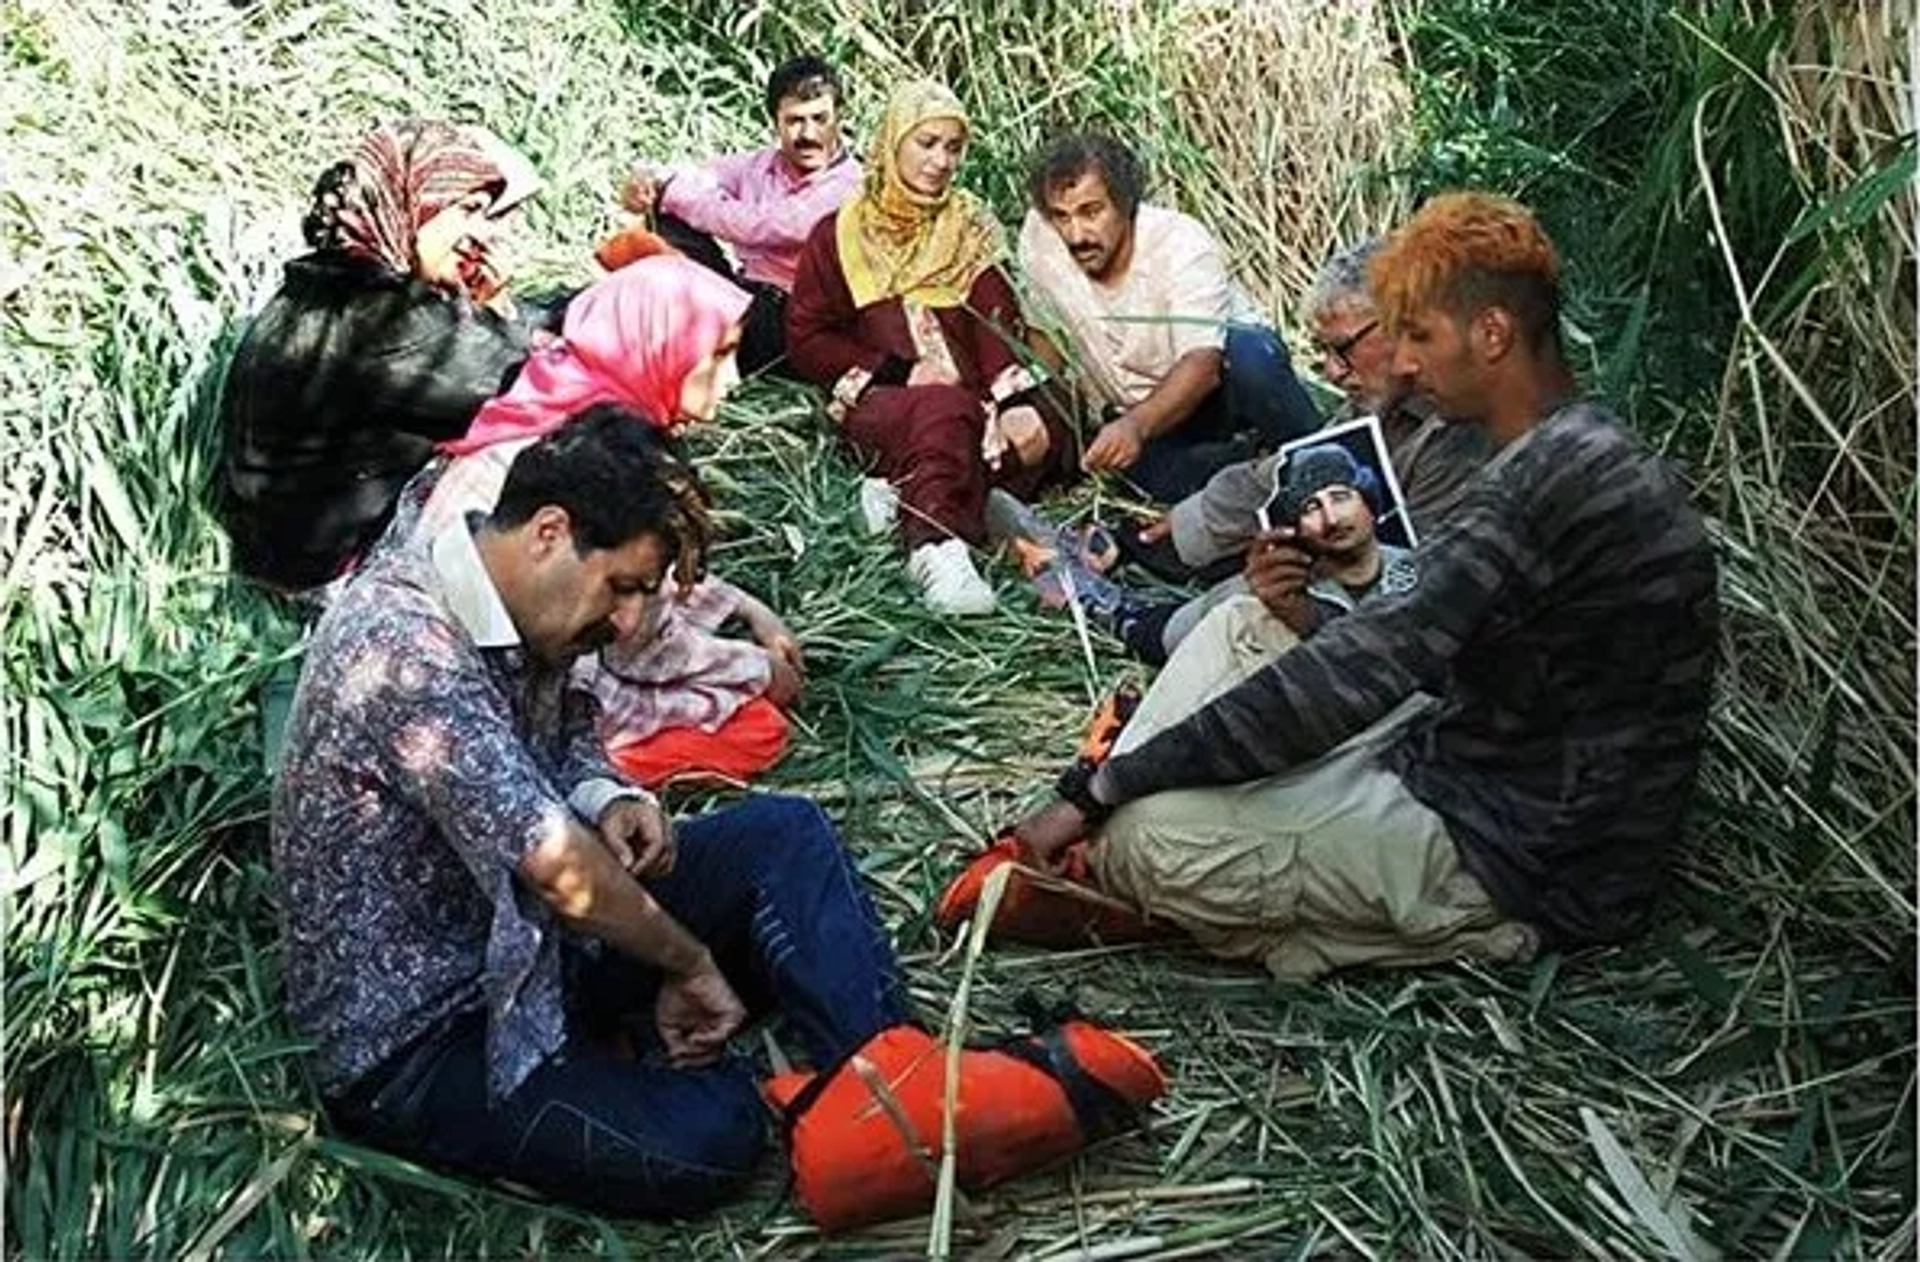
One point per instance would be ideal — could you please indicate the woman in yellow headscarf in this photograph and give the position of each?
(901, 309)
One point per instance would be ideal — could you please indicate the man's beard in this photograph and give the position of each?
(1388, 401)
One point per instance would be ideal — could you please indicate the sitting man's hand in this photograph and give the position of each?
(640, 835)
(1278, 570)
(641, 192)
(1045, 835)
(1116, 446)
(696, 1013)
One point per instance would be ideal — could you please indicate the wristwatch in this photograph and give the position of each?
(1075, 785)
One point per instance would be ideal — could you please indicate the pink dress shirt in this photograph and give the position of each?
(759, 205)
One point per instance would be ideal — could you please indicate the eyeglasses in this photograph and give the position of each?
(1342, 350)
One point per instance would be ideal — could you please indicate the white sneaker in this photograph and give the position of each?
(948, 582)
(879, 505)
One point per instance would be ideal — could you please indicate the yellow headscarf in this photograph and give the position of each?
(896, 243)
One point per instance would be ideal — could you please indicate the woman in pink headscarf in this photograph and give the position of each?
(641, 337)
(656, 339)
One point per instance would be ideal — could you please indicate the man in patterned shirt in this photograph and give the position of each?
(1318, 809)
(478, 912)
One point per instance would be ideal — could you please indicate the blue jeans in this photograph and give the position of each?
(770, 889)
(1258, 405)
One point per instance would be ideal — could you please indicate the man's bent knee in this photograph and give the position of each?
(792, 826)
(1144, 847)
(694, 1159)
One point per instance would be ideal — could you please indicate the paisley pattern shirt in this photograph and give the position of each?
(426, 752)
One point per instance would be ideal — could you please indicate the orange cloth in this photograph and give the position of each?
(1062, 912)
(629, 245)
(745, 745)
(867, 1139)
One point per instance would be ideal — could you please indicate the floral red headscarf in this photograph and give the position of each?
(401, 175)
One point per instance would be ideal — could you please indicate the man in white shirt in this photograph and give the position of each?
(1190, 376)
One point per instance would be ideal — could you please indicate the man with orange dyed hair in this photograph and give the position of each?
(1500, 757)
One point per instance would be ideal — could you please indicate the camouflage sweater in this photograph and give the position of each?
(1566, 619)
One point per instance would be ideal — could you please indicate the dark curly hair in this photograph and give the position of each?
(608, 468)
(1067, 158)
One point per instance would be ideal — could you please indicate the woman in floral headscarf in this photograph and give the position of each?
(901, 309)
(380, 342)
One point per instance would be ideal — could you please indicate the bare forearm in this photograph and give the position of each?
(591, 893)
(1193, 377)
(632, 923)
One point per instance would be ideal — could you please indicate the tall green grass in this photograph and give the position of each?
(1732, 213)
(1267, 119)
(1736, 199)
(1745, 1079)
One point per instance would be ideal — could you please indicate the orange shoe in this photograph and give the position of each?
(1060, 912)
(1108, 722)
(630, 245)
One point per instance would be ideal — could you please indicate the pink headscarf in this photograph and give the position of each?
(630, 339)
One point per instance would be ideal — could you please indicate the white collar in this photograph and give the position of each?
(471, 596)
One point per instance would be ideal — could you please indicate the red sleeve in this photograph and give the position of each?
(823, 326)
(999, 330)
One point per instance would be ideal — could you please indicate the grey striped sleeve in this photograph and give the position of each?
(1348, 675)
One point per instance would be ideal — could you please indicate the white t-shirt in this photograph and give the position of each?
(1124, 338)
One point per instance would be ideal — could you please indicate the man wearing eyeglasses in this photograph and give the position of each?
(1499, 758)
(1433, 461)
(1209, 534)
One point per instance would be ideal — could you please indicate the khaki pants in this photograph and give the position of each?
(1330, 864)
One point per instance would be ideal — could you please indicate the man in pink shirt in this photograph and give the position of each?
(760, 204)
